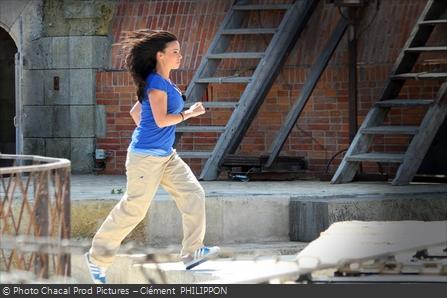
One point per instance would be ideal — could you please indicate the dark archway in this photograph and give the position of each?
(7, 94)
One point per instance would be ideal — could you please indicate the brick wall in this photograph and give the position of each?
(322, 130)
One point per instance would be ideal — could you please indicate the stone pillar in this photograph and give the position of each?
(59, 80)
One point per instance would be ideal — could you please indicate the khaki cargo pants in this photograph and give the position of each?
(144, 174)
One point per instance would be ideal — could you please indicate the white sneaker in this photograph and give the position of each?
(201, 255)
(97, 273)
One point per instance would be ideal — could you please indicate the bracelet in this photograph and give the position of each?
(183, 117)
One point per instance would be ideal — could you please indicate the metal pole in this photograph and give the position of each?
(42, 214)
(18, 119)
(352, 53)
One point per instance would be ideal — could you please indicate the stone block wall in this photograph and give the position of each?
(64, 43)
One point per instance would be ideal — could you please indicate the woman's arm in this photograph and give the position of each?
(159, 106)
(135, 112)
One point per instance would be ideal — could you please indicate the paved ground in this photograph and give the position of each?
(236, 261)
(101, 186)
(85, 188)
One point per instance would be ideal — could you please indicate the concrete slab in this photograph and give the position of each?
(359, 241)
(308, 217)
(236, 262)
(349, 242)
(100, 186)
(239, 212)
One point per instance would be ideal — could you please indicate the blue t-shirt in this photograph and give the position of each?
(148, 138)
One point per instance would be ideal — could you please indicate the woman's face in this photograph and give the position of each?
(170, 57)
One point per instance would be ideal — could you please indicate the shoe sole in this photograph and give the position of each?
(206, 258)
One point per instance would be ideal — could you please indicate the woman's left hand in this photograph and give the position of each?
(195, 110)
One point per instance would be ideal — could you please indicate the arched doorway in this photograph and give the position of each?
(7, 94)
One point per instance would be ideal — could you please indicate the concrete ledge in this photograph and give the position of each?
(259, 211)
(311, 215)
(229, 220)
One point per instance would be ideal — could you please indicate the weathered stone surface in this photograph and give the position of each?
(71, 17)
(163, 225)
(81, 155)
(52, 96)
(228, 220)
(58, 147)
(69, 52)
(33, 87)
(267, 219)
(60, 38)
(34, 146)
(38, 121)
(62, 121)
(89, 51)
(82, 87)
(30, 12)
(37, 55)
(82, 120)
(11, 11)
(309, 217)
(76, 86)
(101, 124)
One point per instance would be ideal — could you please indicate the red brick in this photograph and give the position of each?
(323, 124)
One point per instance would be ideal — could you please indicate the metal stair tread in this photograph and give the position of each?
(215, 104)
(194, 154)
(293, 20)
(403, 103)
(420, 75)
(411, 158)
(200, 128)
(261, 7)
(433, 22)
(377, 156)
(426, 49)
(236, 55)
(221, 80)
(235, 31)
(391, 129)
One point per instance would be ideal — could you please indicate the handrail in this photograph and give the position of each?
(51, 163)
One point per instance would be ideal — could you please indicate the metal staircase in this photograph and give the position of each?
(373, 124)
(296, 16)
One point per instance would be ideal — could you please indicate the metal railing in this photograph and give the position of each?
(34, 203)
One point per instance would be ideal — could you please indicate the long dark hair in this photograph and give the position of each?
(141, 48)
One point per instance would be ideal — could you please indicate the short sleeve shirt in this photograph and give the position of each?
(148, 138)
